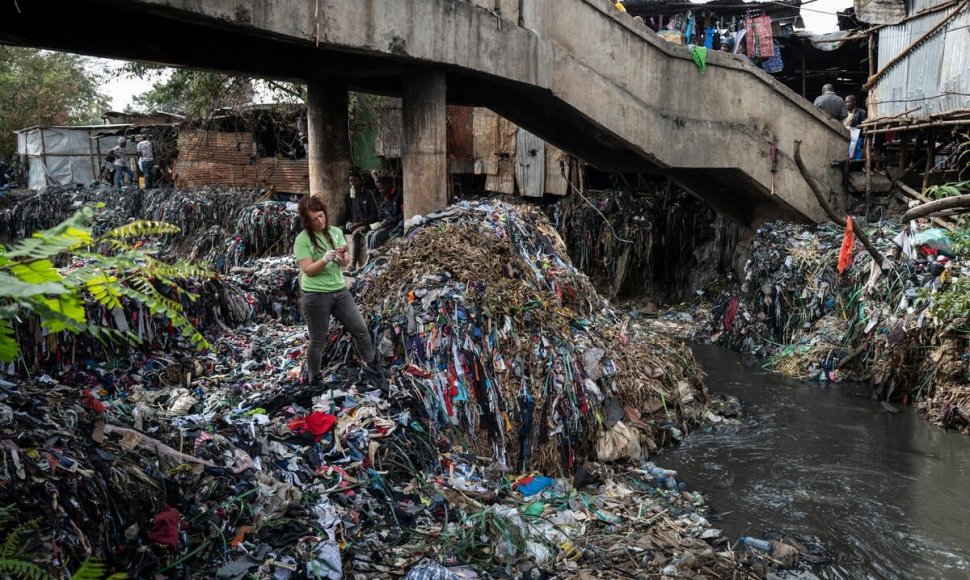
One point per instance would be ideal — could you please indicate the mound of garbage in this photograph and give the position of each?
(898, 330)
(511, 437)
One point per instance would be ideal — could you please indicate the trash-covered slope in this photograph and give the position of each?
(505, 369)
(524, 356)
(901, 331)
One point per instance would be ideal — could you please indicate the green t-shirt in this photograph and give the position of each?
(330, 279)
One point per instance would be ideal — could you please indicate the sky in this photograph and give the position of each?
(819, 16)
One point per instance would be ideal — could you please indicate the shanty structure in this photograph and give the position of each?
(67, 155)
(922, 80)
(919, 94)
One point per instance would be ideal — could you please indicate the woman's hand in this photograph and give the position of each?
(342, 258)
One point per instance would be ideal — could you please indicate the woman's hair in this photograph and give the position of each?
(312, 203)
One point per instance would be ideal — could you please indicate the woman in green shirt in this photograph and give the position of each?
(321, 251)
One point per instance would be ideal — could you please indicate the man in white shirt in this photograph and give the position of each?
(121, 165)
(146, 160)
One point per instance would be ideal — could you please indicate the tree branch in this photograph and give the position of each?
(959, 202)
(876, 254)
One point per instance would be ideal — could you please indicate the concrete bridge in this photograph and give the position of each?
(578, 73)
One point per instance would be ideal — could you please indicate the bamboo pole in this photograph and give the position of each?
(859, 232)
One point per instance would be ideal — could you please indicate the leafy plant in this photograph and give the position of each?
(30, 284)
(14, 551)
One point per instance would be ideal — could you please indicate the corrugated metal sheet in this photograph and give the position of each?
(530, 164)
(931, 73)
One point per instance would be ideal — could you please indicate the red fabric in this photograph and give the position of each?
(316, 423)
(166, 528)
(730, 313)
(760, 43)
(848, 244)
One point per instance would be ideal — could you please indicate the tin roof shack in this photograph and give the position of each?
(258, 146)
(919, 91)
(68, 155)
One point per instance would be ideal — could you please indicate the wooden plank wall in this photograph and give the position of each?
(218, 158)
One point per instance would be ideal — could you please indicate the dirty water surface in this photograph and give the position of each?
(886, 495)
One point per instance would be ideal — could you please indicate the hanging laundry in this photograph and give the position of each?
(773, 64)
(709, 38)
(760, 43)
(699, 54)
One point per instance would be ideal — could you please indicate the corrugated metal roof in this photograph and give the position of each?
(917, 6)
(932, 76)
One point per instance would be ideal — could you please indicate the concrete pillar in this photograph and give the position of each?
(328, 144)
(424, 142)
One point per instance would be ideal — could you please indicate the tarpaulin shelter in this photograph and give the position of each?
(65, 155)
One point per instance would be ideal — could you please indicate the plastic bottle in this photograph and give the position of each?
(756, 543)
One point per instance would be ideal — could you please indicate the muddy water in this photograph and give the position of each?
(886, 495)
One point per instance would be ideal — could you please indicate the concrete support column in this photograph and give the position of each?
(424, 142)
(328, 143)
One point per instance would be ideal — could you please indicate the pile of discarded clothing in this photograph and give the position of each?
(818, 307)
(505, 369)
(663, 244)
(514, 346)
(222, 226)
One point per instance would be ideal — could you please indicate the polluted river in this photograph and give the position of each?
(882, 494)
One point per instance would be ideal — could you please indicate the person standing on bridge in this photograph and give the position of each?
(854, 116)
(831, 103)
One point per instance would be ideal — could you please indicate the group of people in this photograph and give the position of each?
(117, 163)
(845, 110)
(322, 252)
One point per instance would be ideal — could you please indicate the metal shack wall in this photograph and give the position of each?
(933, 76)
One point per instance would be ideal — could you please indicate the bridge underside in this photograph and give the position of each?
(634, 130)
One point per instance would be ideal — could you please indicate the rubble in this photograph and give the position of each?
(508, 374)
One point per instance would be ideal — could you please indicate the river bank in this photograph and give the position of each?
(903, 331)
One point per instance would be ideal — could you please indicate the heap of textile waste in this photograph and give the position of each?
(898, 329)
(659, 245)
(510, 438)
(514, 347)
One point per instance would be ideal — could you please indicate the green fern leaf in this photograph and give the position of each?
(140, 229)
(90, 569)
(36, 272)
(21, 569)
(9, 348)
(14, 288)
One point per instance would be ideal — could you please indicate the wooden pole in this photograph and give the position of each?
(930, 154)
(859, 232)
(947, 203)
(911, 193)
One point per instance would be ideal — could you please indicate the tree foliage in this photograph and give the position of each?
(30, 285)
(199, 93)
(40, 87)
